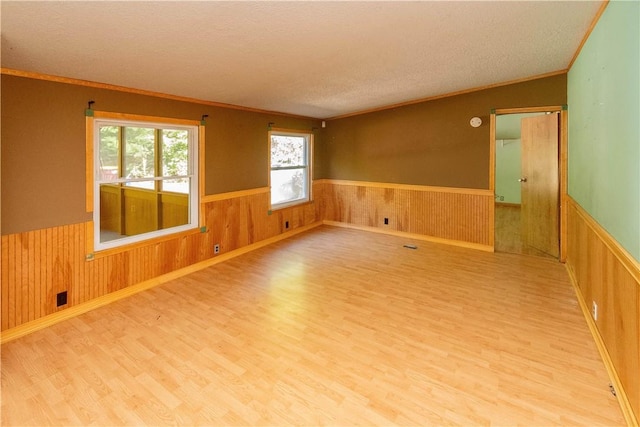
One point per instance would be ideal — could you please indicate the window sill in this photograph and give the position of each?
(290, 205)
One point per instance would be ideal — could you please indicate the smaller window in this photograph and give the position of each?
(289, 178)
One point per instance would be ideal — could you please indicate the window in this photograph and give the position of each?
(289, 179)
(145, 179)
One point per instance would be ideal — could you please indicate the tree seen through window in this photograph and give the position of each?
(289, 168)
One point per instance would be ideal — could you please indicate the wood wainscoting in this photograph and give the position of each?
(604, 273)
(248, 218)
(39, 264)
(458, 216)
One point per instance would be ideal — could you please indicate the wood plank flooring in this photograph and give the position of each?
(508, 232)
(330, 327)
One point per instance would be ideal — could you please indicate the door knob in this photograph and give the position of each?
(522, 179)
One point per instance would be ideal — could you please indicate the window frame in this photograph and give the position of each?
(308, 157)
(195, 128)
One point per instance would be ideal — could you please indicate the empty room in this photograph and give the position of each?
(320, 213)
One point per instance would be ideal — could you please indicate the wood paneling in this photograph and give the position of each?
(37, 265)
(140, 211)
(249, 221)
(145, 210)
(456, 215)
(174, 208)
(605, 274)
(111, 208)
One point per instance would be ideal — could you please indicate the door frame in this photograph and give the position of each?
(562, 165)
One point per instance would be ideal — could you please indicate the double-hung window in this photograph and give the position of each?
(145, 179)
(290, 170)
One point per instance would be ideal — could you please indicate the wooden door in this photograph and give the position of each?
(540, 183)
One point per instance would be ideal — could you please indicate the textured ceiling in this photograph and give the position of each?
(316, 59)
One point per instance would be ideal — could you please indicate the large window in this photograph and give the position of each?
(289, 178)
(145, 180)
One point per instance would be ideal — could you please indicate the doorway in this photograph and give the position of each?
(528, 180)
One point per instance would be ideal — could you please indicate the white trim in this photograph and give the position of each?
(306, 167)
(193, 175)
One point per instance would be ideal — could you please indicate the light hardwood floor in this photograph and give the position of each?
(332, 326)
(508, 234)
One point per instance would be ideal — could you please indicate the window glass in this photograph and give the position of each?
(287, 150)
(175, 160)
(289, 168)
(139, 155)
(109, 167)
(146, 181)
(287, 185)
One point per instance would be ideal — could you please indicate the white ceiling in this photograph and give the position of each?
(309, 58)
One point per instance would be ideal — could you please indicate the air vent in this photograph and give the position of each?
(61, 299)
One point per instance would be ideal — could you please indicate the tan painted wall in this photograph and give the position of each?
(43, 147)
(430, 143)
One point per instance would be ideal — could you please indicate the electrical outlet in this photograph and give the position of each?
(594, 310)
(286, 224)
(216, 248)
(386, 221)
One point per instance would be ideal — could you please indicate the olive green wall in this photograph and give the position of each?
(429, 143)
(43, 147)
(604, 124)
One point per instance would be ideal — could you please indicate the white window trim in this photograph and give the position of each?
(194, 201)
(308, 136)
